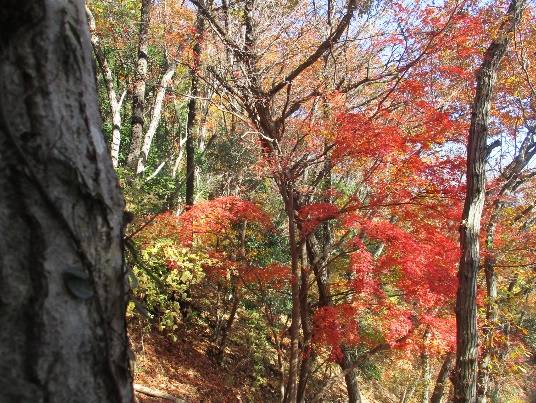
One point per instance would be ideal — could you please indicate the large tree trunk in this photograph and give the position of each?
(62, 279)
(138, 96)
(465, 374)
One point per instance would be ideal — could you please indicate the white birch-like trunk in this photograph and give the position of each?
(155, 118)
(115, 105)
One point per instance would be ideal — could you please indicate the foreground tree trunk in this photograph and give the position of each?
(465, 374)
(62, 280)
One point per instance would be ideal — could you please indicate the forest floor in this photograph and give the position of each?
(185, 369)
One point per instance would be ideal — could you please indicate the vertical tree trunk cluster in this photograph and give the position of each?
(115, 105)
(258, 104)
(62, 280)
(192, 112)
(138, 96)
(465, 375)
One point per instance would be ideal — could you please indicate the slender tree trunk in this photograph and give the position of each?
(352, 387)
(291, 391)
(63, 285)
(443, 378)
(155, 118)
(306, 329)
(138, 96)
(324, 292)
(190, 140)
(465, 376)
(426, 374)
(228, 325)
(115, 105)
(192, 112)
(512, 175)
(182, 142)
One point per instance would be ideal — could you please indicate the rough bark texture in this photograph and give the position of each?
(62, 280)
(465, 374)
(138, 96)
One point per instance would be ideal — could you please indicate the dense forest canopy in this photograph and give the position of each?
(349, 183)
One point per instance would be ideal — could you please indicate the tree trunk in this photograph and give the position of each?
(291, 392)
(352, 387)
(307, 350)
(443, 378)
(115, 105)
(138, 96)
(155, 118)
(465, 376)
(512, 175)
(190, 141)
(192, 111)
(228, 325)
(426, 373)
(62, 279)
(324, 293)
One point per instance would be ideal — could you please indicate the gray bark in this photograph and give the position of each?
(138, 96)
(465, 374)
(62, 280)
(192, 110)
